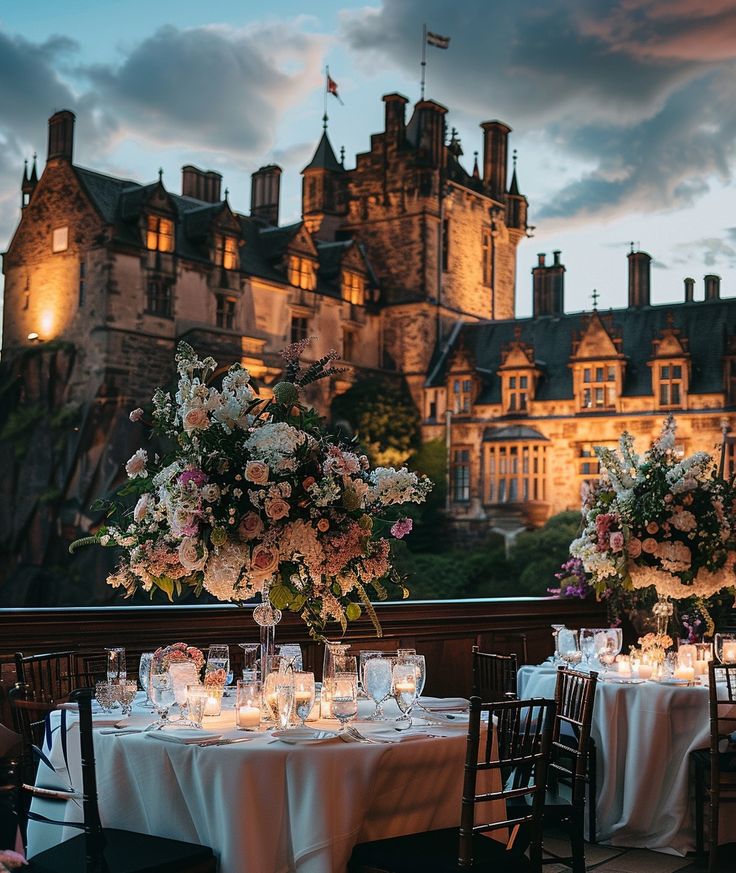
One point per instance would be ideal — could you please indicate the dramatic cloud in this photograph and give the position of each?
(212, 86)
(639, 90)
(717, 252)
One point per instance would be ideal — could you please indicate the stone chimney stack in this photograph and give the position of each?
(712, 287)
(61, 136)
(548, 284)
(395, 115)
(201, 184)
(265, 191)
(640, 266)
(431, 131)
(495, 157)
(689, 290)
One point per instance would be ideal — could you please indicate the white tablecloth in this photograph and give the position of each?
(264, 806)
(644, 734)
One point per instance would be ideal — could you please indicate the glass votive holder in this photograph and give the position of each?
(196, 701)
(703, 655)
(248, 704)
(116, 666)
(726, 648)
(183, 675)
(624, 665)
(213, 701)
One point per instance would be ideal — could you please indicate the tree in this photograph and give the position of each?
(382, 415)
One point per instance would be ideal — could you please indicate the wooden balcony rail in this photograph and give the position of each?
(443, 630)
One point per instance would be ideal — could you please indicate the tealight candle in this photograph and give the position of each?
(406, 687)
(624, 665)
(683, 672)
(248, 704)
(645, 671)
(729, 651)
(249, 716)
(212, 705)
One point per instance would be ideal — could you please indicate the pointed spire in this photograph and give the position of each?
(25, 171)
(476, 171)
(227, 192)
(342, 157)
(514, 187)
(160, 175)
(324, 157)
(34, 171)
(325, 119)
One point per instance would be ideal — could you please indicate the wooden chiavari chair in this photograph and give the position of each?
(468, 847)
(494, 676)
(50, 676)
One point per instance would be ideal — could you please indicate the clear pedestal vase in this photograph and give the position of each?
(267, 617)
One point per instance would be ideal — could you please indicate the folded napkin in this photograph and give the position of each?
(444, 704)
(184, 737)
(390, 735)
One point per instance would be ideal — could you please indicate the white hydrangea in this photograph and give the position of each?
(390, 486)
(223, 569)
(276, 443)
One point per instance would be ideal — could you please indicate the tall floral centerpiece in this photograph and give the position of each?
(253, 498)
(661, 521)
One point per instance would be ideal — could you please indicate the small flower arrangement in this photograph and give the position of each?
(256, 498)
(659, 521)
(215, 678)
(655, 641)
(176, 653)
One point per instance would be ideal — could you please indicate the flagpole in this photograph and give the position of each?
(424, 56)
(327, 79)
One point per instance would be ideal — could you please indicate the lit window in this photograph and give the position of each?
(225, 313)
(599, 388)
(353, 287)
(516, 472)
(299, 328)
(226, 252)
(159, 234)
(670, 385)
(461, 475)
(486, 256)
(158, 301)
(60, 239)
(302, 273)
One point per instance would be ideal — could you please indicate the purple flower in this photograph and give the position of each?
(196, 476)
(401, 528)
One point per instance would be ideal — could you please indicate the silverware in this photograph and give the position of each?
(225, 742)
(119, 732)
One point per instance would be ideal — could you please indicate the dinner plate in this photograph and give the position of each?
(444, 704)
(303, 735)
(184, 736)
(672, 681)
(623, 680)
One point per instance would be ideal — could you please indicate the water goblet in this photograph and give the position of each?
(125, 693)
(556, 628)
(404, 688)
(116, 668)
(144, 674)
(377, 684)
(196, 702)
(162, 696)
(420, 663)
(284, 699)
(344, 697)
(304, 692)
(587, 644)
(105, 695)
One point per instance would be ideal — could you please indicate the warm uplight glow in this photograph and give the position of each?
(47, 323)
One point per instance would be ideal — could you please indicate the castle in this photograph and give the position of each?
(406, 264)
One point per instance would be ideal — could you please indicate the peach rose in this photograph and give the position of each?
(308, 482)
(652, 527)
(192, 554)
(141, 508)
(649, 546)
(136, 465)
(250, 526)
(264, 561)
(256, 472)
(277, 508)
(323, 525)
(634, 547)
(196, 419)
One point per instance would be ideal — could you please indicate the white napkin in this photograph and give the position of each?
(184, 737)
(393, 736)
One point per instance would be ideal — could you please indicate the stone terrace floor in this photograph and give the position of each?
(608, 859)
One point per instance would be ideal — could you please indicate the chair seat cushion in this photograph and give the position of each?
(127, 852)
(433, 852)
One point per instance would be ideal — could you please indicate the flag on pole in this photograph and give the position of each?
(332, 88)
(440, 42)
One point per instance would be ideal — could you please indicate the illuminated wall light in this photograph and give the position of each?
(33, 337)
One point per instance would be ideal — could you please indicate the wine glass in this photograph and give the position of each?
(125, 693)
(404, 686)
(587, 645)
(144, 674)
(334, 653)
(344, 697)
(377, 683)
(161, 688)
(556, 628)
(284, 699)
(570, 652)
(303, 694)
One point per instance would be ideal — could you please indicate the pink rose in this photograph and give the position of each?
(141, 508)
(649, 546)
(136, 466)
(263, 561)
(403, 527)
(652, 527)
(250, 526)
(617, 541)
(634, 547)
(256, 472)
(196, 419)
(136, 414)
(277, 508)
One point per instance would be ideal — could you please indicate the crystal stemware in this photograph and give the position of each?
(344, 697)
(570, 651)
(105, 695)
(284, 699)
(404, 687)
(196, 702)
(161, 689)
(116, 668)
(304, 692)
(586, 640)
(144, 674)
(251, 656)
(377, 683)
(292, 654)
(556, 628)
(420, 663)
(125, 693)
(218, 658)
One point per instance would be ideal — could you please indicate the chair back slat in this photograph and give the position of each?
(524, 749)
(51, 676)
(575, 697)
(494, 676)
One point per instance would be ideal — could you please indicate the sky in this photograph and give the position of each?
(623, 113)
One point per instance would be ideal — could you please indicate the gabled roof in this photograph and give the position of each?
(104, 191)
(514, 432)
(324, 157)
(706, 325)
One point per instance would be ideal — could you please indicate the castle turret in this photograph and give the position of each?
(516, 204)
(426, 132)
(323, 191)
(61, 136)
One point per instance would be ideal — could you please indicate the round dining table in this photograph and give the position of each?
(644, 734)
(264, 805)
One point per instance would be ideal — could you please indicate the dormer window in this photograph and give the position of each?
(302, 273)
(462, 396)
(353, 287)
(598, 389)
(226, 252)
(516, 392)
(671, 388)
(159, 234)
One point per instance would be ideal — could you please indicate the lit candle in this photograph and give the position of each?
(302, 697)
(624, 666)
(701, 668)
(249, 716)
(212, 705)
(683, 672)
(685, 651)
(645, 671)
(729, 651)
